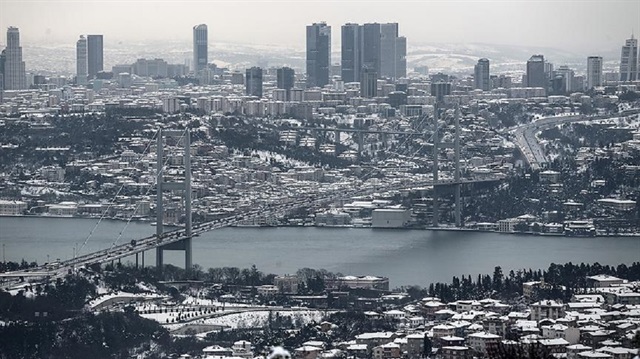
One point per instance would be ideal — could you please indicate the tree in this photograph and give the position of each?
(497, 278)
(428, 346)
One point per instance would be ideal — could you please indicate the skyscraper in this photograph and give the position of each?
(388, 36)
(94, 55)
(318, 54)
(253, 82)
(482, 77)
(535, 72)
(594, 72)
(567, 77)
(15, 77)
(81, 61)
(351, 53)
(200, 47)
(629, 60)
(393, 52)
(371, 47)
(401, 57)
(286, 78)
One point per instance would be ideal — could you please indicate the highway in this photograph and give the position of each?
(60, 269)
(526, 140)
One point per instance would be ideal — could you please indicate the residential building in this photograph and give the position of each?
(481, 342)
(629, 60)
(15, 77)
(368, 83)
(95, 56)
(546, 309)
(387, 351)
(455, 352)
(594, 72)
(482, 77)
(318, 54)
(200, 47)
(603, 280)
(81, 61)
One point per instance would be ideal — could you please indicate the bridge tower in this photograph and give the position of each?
(456, 183)
(183, 186)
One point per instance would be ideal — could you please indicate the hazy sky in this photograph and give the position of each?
(575, 25)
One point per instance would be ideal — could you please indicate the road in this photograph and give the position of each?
(526, 140)
(61, 269)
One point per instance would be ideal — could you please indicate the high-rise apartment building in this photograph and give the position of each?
(536, 76)
(318, 54)
(286, 79)
(253, 82)
(393, 52)
(351, 53)
(200, 47)
(629, 60)
(594, 72)
(95, 58)
(14, 75)
(482, 77)
(81, 61)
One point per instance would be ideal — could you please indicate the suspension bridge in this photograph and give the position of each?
(181, 239)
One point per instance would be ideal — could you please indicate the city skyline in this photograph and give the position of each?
(619, 20)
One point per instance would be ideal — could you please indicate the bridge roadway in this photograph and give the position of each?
(528, 144)
(358, 130)
(60, 269)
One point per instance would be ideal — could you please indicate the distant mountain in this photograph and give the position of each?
(439, 57)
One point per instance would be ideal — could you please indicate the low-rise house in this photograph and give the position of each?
(306, 352)
(603, 280)
(387, 351)
(546, 309)
(455, 352)
(480, 342)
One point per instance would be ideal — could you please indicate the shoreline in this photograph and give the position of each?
(426, 228)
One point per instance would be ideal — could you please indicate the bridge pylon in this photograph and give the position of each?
(183, 186)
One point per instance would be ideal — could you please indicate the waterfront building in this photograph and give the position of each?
(200, 47)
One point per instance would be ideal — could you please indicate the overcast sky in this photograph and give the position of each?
(575, 25)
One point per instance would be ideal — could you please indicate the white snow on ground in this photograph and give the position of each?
(260, 318)
(246, 319)
(124, 296)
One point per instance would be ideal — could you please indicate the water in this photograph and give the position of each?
(406, 257)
